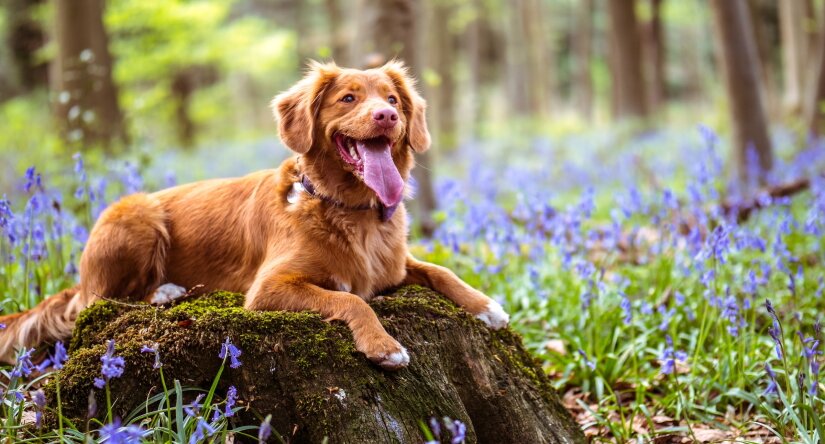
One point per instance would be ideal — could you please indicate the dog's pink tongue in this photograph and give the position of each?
(380, 172)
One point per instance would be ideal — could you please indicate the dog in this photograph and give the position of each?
(326, 231)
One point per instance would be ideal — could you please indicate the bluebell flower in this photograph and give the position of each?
(590, 364)
(265, 430)
(626, 309)
(202, 431)
(772, 385)
(39, 399)
(24, 365)
(153, 349)
(646, 309)
(112, 365)
(435, 427)
(457, 429)
(227, 348)
(667, 315)
(231, 399)
(669, 356)
(194, 408)
(775, 330)
(113, 433)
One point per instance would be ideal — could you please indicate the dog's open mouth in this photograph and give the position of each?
(371, 160)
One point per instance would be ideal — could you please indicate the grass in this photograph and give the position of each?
(647, 304)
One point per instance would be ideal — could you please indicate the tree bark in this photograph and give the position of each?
(764, 16)
(442, 59)
(583, 50)
(337, 38)
(655, 46)
(794, 52)
(307, 374)
(528, 71)
(626, 61)
(741, 68)
(814, 115)
(390, 30)
(86, 97)
(24, 37)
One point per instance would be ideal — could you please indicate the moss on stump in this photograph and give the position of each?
(307, 374)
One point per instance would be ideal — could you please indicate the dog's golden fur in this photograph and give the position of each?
(285, 249)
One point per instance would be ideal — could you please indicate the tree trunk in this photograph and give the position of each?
(24, 37)
(742, 71)
(794, 51)
(86, 96)
(765, 23)
(626, 61)
(655, 47)
(814, 115)
(441, 112)
(583, 50)
(307, 374)
(389, 30)
(337, 38)
(528, 71)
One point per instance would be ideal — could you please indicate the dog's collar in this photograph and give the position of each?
(384, 212)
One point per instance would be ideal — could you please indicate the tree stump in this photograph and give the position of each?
(308, 375)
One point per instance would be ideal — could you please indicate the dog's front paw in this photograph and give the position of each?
(494, 316)
(386, 352)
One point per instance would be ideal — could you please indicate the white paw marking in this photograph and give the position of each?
(167, 293)
(495, 317)
(396, 360)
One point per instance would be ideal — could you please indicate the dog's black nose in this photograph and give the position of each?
(385, 118)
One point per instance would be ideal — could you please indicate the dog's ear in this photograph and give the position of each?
(413, 106)
(297, 109)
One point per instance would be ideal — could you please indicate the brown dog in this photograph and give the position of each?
(325, 232)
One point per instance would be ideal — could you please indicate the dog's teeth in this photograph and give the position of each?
(353, 153)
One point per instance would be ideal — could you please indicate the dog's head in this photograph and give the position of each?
(356, 129)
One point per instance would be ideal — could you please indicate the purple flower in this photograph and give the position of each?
(194, 408)
(265, 430)
(227, 348)
(669, 356)
(590, 364)
(626, 309)
(24, 365)
(202, 431)
(112, 365)
(153, 349)
(772, 385)
(435, 427)
(231, 398)
(457, 429)
(39, 399)
(775, 330)
(115, 434)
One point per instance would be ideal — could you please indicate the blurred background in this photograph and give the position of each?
(187, 83)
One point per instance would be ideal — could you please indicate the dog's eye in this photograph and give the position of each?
(349, 98)
(392, 100)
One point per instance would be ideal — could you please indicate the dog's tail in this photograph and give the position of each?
(52, 319)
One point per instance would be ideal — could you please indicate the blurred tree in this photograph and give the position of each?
(628, 89)
(24, 37)
(655, 47)
(583, 49)
(484, 52)
(390, 29)
(86, 97)
(441, 57)
(764, 15)
(530, 72)
(741, 67)
(794, 51)
(815, 90)
(337, 38)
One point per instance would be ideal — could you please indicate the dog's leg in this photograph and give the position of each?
(447, 283)
(288, 292)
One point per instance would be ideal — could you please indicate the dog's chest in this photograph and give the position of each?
(375, 259)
